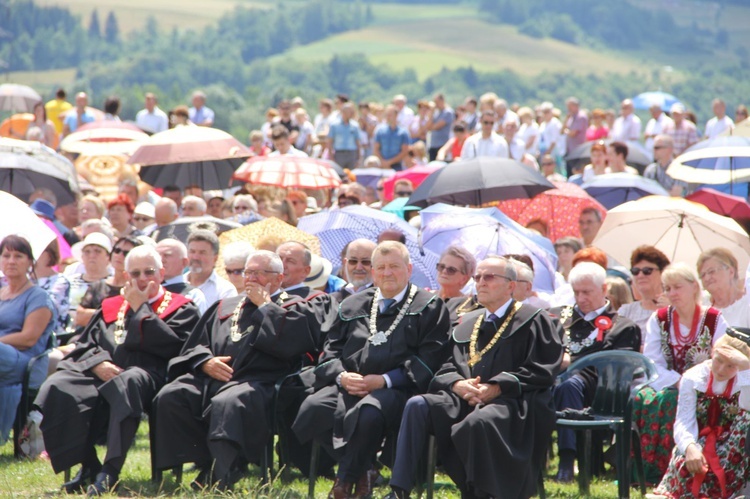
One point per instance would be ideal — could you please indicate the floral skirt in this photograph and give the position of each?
(730, 448)
(654, 414)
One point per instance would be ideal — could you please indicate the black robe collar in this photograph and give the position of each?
(462, 332)
(359, 304)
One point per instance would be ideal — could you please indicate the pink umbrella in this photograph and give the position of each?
(558, 208)
(114, 125)
(289, 172)
(64, 246)
(415, 174)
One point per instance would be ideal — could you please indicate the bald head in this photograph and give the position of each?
(165, 212)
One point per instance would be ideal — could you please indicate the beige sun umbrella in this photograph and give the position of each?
(104, 171)
(679, 228)
(741, 129)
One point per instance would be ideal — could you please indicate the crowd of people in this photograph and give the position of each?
(197, 333)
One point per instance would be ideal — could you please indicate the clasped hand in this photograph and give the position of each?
(360, 386)
(475, 392)
(218, 368)
(106, 370)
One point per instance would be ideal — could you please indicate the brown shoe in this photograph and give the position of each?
(365, 484)
(341, 490)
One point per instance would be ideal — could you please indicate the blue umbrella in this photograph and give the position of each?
(487, 231)
(648, 99)
(722, 163)
(613, 189)
(399, 207)
(337, 228)
(369, 176)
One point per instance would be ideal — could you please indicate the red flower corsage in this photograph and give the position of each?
(602, 323)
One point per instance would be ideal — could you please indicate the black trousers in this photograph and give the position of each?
(363, 446)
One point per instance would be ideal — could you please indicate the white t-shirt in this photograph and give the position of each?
(715, 126)
(291, 152)
(626, 128)
(551, 132)
(526, 132)
(655, 127)
(476, 146)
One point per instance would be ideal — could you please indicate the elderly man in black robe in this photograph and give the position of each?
(592, 325)
(389, 342)
(102, 388)
(216, 409)
(490, 406)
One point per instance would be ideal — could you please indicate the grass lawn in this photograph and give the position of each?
(36, 479)
(41, 81)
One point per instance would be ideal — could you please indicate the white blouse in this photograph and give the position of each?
(652, 349)
(738, 313)
(695, 380)
(636, 313)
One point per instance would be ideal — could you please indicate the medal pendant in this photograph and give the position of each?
(378, 338)
(237, 336)
(119, 339)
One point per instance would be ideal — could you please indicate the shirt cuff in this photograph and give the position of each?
(387, 379)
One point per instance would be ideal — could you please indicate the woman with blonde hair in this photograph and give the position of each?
(678, 337)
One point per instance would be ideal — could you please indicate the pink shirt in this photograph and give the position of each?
(596, 133)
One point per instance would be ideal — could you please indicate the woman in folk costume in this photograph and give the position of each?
(678, 337)
(709, 458)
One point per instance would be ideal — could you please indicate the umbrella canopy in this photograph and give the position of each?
(336, 228)
(638, 156)
(103, 172)
(479, 181)
(721, 203)
(270, 227)
(399, 207)
(722, 160)
(741, 129)
(180, 228)
(26, 165)
(109, 125)
(559, 209)
(103, 141)
(190, 155)
(662, 99)
(681, 229)
(369, 176)
(487, 231)
(16, 126)
(15, 97)
(288, 172)
(24, 222)
(415, 175)
(613, 189)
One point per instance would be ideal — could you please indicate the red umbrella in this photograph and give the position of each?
(416, 174)
(289, 172)
(721, 203)
(558, 208)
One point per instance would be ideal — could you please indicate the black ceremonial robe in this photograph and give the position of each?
(461, 305)
(417, 347)
(72, 400)
(498, 448)
(200, 418)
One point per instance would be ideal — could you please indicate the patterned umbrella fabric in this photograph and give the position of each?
(15, 97)
(614, 189)
(369, 177)
(558, 208)
(337, 228)
(103, 171)
(270, 228)
(288, 172)
(415, 174)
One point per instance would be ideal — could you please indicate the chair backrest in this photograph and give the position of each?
(621, 374)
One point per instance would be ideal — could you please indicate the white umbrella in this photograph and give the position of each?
(722, 164)
(26, 165)
(21, 221)
(15, 97)
(103, 141)
(682, 230)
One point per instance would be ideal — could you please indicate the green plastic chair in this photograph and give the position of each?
(621, 374)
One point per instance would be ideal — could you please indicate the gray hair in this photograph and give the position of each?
(372, 162)
(587, 271)
(206, 236)
(98, 225)
(237, 251)
(273, 259)
(143, 252)
(245, 197)
(470, 263)
(523, 271)
(508, 266)
(200, 203)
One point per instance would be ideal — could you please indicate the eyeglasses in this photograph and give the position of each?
(135, 274)
(488, 278)
(660, 147)
(257, 273)
(354, 262)
(233, 271)
(646, 270)
(142, 219)
(402, 194)
(711, 272)
(441, 267)
(117, 251)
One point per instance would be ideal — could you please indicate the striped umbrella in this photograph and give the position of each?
(288, 172)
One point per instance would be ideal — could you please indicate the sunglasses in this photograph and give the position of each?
(236, 272)
(135, 274)
(441, 267)
(117, 251)
(403, 194)
(489, 278)
(646, 270)
(354, 262)
(380, 188)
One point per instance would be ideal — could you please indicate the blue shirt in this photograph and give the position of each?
(72, 119)
(200, 116)
(391, 140)
(440, 137)
(344, 135)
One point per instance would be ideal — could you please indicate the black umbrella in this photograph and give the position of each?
(638, 156)
(479, 181)
(180, 228)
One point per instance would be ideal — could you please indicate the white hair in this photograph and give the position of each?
(245, 197)
(98, 225)
(174, 244)
(523, 271)
(200, 203)
(587, 271)
(237, 251)
(142, 252)
(274, 261)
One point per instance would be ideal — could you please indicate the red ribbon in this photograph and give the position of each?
(712, 431)
(602, 323)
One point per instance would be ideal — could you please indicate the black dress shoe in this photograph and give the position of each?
(564, 475)
(203, 481)
(104, 483)
(78, 484)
